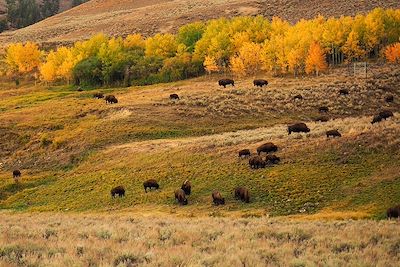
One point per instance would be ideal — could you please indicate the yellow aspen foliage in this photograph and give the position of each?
(210, 65)
(161, 45)
(315, 61)
(134, 41)
(23, 58)
(248, 60)
(59, 65)
(392, 53)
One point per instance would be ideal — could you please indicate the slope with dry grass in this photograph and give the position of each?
(152, 16)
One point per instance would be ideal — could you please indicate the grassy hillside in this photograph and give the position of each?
(153, 16)
(72, 149)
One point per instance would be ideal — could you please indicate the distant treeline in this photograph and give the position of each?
(242, 45)
(22, 13)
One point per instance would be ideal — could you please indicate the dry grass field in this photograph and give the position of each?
(125, 239)
(116, 18)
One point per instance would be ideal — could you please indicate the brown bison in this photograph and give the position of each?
(110, 99)
(260, 82)
(385, 114)
(217, 198)
(151, 183)
(244, 153)
(323, 109)
(322, 119)
(98, 95)
(267, 147)
(298, 128)
(243, 194)
(181, 197)
(333, 133)
(187, 187)
(225, 82)
(16, 174)
(389, 98)
(376, 118)
(393, 212)
(118, 191)
(343, 92)
(298, 97)
(174, 97)
(256, 162)
(272, 159)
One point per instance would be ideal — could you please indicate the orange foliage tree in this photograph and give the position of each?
(392, 53)
(315, 61)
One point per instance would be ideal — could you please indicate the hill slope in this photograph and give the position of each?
(151, 16)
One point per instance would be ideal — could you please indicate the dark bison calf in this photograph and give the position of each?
(243, 194)
(16, 174)
(260, 82)
(272, 159)
(118, 191)
(267, 147)
(150, 184)
(298, 128)
(173, 97)
(383, 115)
(244, 153)
(389, 98)
(333, 133)
(181, 197)
(187, 187)
(217, 198)
(298, 97)
(323, 109)
(98, 95)
(110, 99)
(256, 162)
(343, 92)
(225, 82)
(393, 212)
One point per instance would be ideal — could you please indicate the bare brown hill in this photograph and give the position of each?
(123, 17)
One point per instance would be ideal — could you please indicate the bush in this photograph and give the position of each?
(88, 72)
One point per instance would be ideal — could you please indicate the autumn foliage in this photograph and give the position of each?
(392, 53)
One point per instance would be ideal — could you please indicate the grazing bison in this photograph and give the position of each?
(298, 128)
(260, 82)
(110, 99)
(267, 147)
(225, 82)
(322, 119)
(187, 187)
(118, 191)
(323, 109)
(389, 98)
(343, 92)
(256, 162)
(385, 114)
(16, 174)
(393, 212)
(217, 198)
(181, 197)
(243, 194)
(376, 118)
(272, 159)
(298, 97)
(333, 133)
(151, 183)
(98, 95)
(174, 97)
(244, 153)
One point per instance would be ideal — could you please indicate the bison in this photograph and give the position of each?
(225, 82)
(16, 174)
(389, 98)
(323, 109)
(174, 97)
(343, 92)
(110, 99)
(272, 159)
(385, 114)
(322, 119)
(98, 95)
(118, 191)
(187, 187)
(181, 197)
(298, 128)
(376, 118)
(151, 183)
(393, 212)
(217, 198)
(243, 194)
(260, 82)
(256, 162)
(298, 97)
(244, 153)
(333, 133)
(267, 147)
